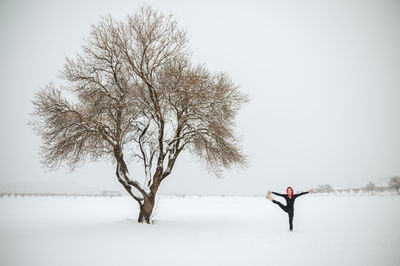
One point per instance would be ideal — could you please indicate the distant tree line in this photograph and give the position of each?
(323, 189)
(371, 187)
(104, 193)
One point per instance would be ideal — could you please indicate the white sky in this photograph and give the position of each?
(323, 78)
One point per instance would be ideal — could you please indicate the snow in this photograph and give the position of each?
(361, 230)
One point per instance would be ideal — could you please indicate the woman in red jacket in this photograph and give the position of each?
(290, 198)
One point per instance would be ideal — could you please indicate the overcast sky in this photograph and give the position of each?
(323, 78)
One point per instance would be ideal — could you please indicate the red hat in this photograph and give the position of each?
(287, 191)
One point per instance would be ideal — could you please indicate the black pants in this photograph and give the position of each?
(290, 212)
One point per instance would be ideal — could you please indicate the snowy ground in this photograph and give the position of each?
(41, 231)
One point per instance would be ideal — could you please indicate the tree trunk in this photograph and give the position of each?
(146, 209)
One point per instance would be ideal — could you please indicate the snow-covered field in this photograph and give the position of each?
(41, 231)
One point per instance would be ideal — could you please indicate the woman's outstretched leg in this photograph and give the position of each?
(283, 207)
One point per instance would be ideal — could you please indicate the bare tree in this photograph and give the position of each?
(394, 183)
(371, 187)
(133, 90)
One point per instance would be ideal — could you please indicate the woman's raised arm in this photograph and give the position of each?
(278, 194)
(302, 193)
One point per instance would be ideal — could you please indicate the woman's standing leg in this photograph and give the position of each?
(291, 214)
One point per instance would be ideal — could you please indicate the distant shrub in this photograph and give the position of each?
(394, 183)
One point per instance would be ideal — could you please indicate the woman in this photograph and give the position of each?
(290, 198)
